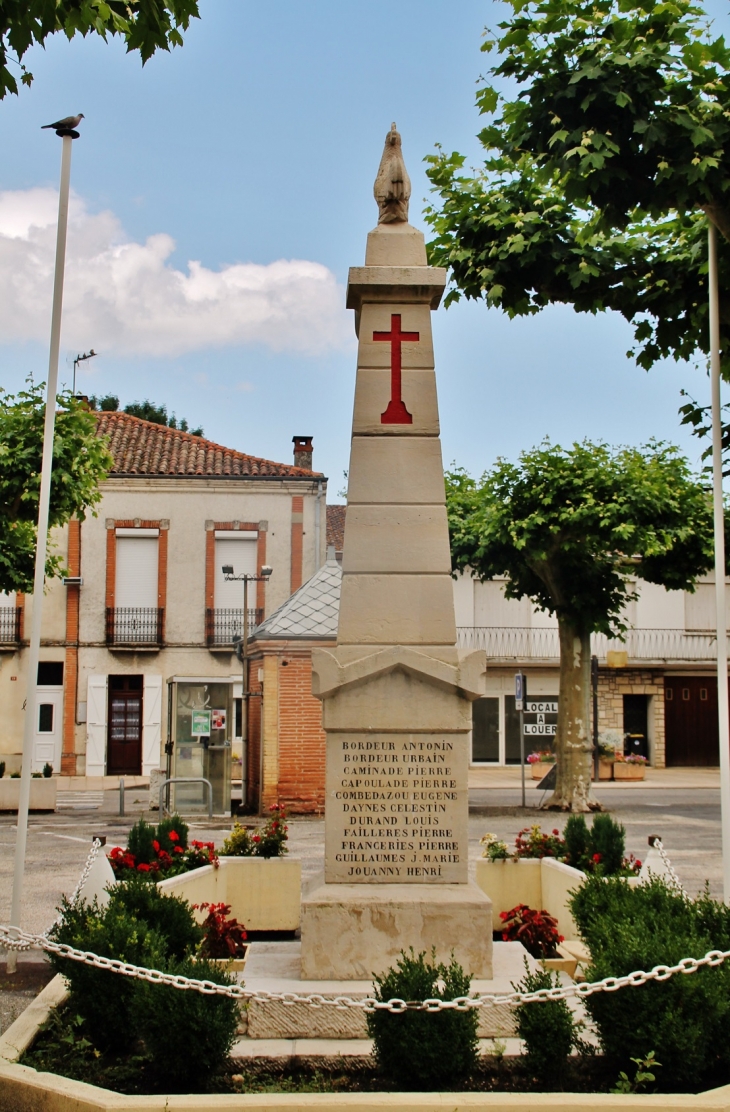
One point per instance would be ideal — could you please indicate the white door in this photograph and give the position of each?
(48, 739)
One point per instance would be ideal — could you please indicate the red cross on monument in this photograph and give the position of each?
(396, 412)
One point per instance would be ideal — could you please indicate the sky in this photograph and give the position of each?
(220, 194)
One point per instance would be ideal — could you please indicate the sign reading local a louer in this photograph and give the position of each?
(541, 718)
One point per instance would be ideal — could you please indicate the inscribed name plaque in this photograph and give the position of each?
(396, 809)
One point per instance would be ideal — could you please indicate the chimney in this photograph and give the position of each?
(303, 452)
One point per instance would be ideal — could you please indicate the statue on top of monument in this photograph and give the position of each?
(392, 189)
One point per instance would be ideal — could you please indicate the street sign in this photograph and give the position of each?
(520, 690)
(549, 779)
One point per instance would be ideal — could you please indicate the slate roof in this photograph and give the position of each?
(311, 613)
(144, 448)
(336, 527)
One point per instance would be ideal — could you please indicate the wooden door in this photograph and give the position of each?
(690, 716)
(124, 747)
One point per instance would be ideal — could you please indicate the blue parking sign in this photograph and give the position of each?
(520, 690)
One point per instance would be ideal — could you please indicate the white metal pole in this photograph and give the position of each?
(41, 544)
(723, 709)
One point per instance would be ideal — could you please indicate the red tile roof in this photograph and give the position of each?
(336, 527)
(143, 448)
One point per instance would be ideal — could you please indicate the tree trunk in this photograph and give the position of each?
(573, 743)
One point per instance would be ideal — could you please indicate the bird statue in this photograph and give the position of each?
(392, 189)
(65, 125)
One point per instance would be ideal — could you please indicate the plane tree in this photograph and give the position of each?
(572, 529)
(599, 175)
(80, 462)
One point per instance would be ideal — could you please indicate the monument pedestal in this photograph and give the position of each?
(396, 693)
(350, 931)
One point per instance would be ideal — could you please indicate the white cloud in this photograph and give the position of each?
(123, 297)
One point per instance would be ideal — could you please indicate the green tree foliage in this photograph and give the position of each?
(80, 461)
(600, 175)
(145, 25)
(569, 528)
(148, 411)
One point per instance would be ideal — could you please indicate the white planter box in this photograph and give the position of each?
(541, 883)
(264, 893)
(42, 793)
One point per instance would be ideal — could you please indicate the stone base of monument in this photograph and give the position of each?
(276, 967)
(350, 931)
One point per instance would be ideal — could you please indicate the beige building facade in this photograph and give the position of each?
(146, 609)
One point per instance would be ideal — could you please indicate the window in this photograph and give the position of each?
(685, 694)
(136, 568)
(703, 694)
(50, 673)
(45, 718)
(236, 549)
(669, 694)
(485, 730)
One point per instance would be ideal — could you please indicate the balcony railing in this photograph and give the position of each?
(520, 643)
(134, 625)
(221, 626)
(10, 617)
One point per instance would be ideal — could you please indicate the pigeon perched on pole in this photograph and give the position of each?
(68, 124)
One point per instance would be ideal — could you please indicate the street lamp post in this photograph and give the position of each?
(67, 135)
(241, 644)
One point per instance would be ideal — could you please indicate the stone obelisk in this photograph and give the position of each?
(396, 692)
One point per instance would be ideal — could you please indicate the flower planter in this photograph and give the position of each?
(542, 883)
(264, 893)
(43, 793)
(540, 769)
(622, 770)
(605, 769)
(231, 965)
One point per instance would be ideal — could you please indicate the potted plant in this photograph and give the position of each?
(630, 767)
(538, 762)
(224, 938)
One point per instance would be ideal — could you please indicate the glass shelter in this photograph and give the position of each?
(202, 741)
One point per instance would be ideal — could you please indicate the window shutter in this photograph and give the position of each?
(240, 554)
(96, 726)
(136, 571)
(151, 724)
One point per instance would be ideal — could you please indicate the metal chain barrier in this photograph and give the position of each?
(13, 938)
(673, 878)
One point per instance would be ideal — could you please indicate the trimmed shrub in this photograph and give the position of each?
(174, 825)
(207, 1023)
(548, 1030)
(424, 1050)
(104, 999)
(577, 841)
(170, 916)
(683, 1020)
(608, 843)
(139, 842)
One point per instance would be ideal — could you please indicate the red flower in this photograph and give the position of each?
(143, 868)
(556, 831)
(156, 846)
(256, 838)
(174, 836)
(637, 863)
(178, 849)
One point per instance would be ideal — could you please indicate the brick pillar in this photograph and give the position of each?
(297, 539)
(269, 790)
(71, 668)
